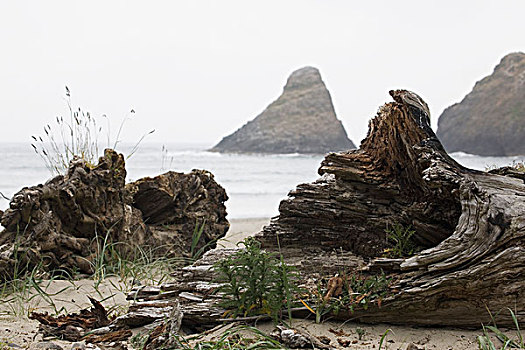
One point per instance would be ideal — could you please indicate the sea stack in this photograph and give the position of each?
(301, 120)
(490, 120)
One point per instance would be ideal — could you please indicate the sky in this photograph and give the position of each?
(196, 71)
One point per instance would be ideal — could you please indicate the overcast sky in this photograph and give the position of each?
(197, 70)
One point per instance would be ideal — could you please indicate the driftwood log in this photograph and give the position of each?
(470, 226)
(471, 223)
(62, 224)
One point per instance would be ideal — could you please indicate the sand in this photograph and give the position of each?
(240, 229)
(16, 328)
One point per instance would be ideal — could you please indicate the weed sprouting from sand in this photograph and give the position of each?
(76, 136)
(255, 282)
(485, 342)
(139, 266)
(360, 333)
(383, 337)
(20, 296)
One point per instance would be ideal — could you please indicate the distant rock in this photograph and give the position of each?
(490, 120)
(301, 120)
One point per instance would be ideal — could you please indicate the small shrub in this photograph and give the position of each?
(361, 291)
(357, 291)
(400, 239)
(255, 282)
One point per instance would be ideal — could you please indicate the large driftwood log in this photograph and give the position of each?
(63, 224)
(471, 223)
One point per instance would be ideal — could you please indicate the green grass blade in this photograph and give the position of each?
(383, 337)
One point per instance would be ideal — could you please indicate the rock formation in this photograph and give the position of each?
(469, 226)
(491, 119)
(301, 120)
(63, 224)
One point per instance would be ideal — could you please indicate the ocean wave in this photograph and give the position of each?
(258, 193)
(463, 155)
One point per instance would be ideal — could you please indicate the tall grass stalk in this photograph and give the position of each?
(76, 136)
(485, 342)
(20, 296)
(131, 264)
(383, 337)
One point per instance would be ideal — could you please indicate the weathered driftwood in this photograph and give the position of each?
(91, 325)
(164, 335)
(173, 204)
(469, 224)
(56, 224)
(62, 224)
(73, 327)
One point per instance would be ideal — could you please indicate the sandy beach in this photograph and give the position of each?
(240, 229)
(67, 296)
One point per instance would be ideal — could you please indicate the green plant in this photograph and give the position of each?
(357, 291)
(139, 340)
(195, 253)
(400, 239)
(18, 297)
(360, 333)
(323, 306)
(383, 337)
(366, 290)
(76, 137)
(485, 342)
(255, 282)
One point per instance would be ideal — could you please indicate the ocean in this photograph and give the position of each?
(255, 183)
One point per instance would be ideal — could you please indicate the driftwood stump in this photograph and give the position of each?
(173, 204)
(63, 224)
